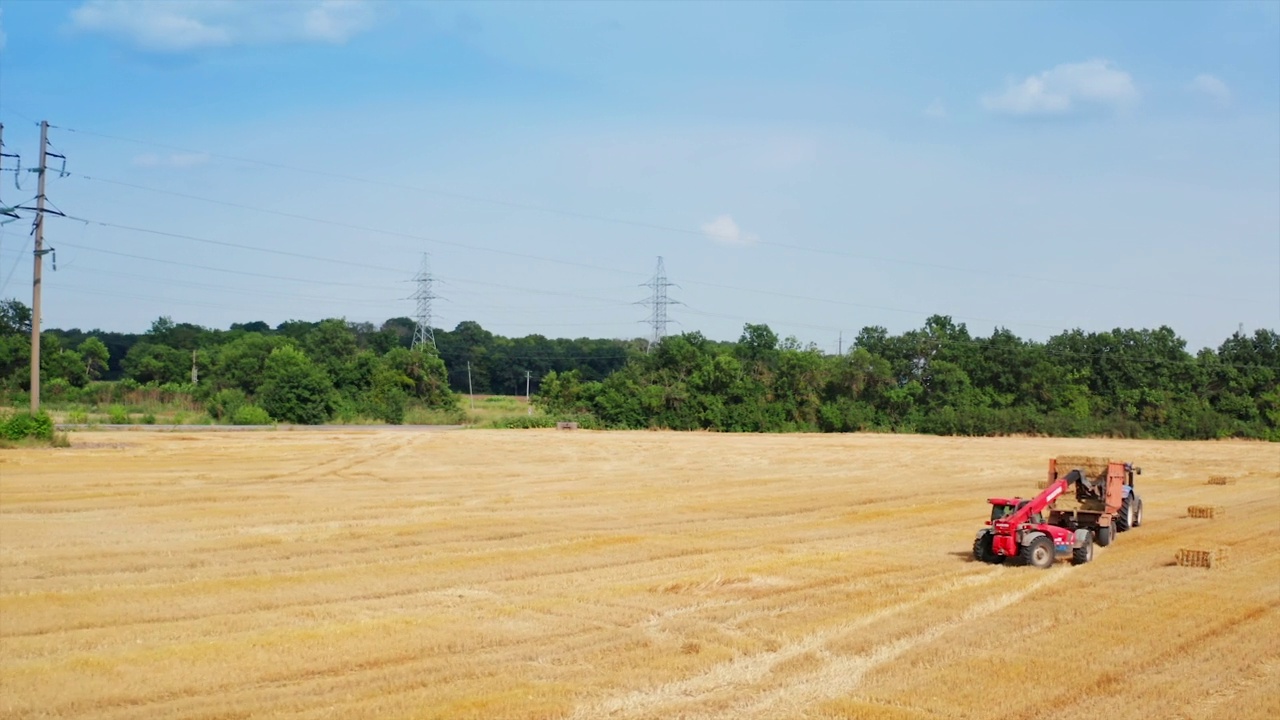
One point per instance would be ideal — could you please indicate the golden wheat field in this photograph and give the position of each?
(543, 574)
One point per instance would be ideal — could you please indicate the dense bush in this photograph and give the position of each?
(225, 403)
(250, 415)
(23, 425)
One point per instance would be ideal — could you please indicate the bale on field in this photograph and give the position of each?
(566, 426)
(1194, 557)
(1206, 511)
(1222, 480)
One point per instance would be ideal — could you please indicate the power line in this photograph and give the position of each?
(300, 255)
(237, 291)
(719, 286)
(239, 246)
(363, 228)
(645, 225)
(245, 273)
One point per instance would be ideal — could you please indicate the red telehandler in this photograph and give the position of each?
(1104, 502)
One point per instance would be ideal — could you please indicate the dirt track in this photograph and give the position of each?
(543, 574)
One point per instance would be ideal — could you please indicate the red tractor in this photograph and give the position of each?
(1103, 502)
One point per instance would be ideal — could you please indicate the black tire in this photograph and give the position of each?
(1105, 535)
(1084, 553)
(1123, 520)
(1137, 514)
(982, 551)
(1038, 553)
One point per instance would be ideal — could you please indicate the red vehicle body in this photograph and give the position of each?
(1018, 528)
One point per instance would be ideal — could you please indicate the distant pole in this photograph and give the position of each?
(840, 345)
(528, 375)
(36, 271)
(195, 374)
(471, 392)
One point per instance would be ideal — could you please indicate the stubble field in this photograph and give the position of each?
(543, 574)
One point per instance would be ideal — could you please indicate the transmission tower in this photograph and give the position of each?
(422, 332)
(658, 303)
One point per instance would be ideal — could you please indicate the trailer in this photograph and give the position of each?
(1058, 521)
(1105, 499)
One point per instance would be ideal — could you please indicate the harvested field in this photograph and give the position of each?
(546, 574)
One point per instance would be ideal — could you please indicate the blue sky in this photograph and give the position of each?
(818, 167)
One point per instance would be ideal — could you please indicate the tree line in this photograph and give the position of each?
(297, 371)
(940, 379)
(936, 379)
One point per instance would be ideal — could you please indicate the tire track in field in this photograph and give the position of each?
(837, 675)
(841, 675)
(1112, 680)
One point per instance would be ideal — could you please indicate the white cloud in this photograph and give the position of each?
(1065, 89)
(725, 231)
(936, 109)
(174, 160)
(1212, 88)
(186, 25)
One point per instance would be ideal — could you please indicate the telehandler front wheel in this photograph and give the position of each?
(1038, 552)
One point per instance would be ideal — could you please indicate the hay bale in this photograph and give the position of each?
(1222, 480)
(566, 426)
(1094, 467)
(1214, 558)
(1208, 512)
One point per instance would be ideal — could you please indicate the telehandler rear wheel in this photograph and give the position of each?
(982, 551)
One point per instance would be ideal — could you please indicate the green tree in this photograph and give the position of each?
(425, 376)
(294, 389)
(96, 357)
(148, 362)
(240, 363)
(15, 344)
(59, 363)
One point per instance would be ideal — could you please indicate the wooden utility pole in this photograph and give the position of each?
(35, 276)
(528, 374)
(471, 391)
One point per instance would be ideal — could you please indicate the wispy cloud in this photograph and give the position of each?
(725, 231)
(1211, 87)
(187, 25)
(1065, 89)
(173, 160)
(936, 109)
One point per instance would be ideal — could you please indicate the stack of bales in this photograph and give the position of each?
(1206, 558)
